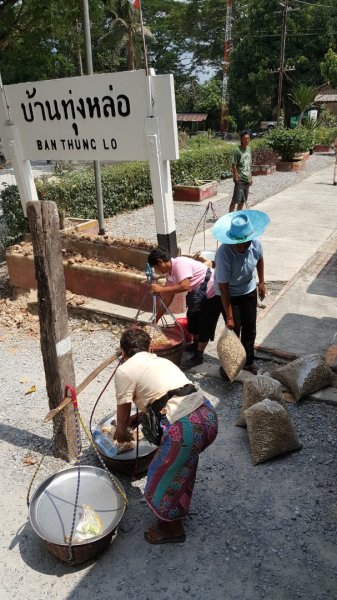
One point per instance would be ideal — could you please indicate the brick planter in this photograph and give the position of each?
(263, 169)
(302, 155)
(106, 253)
(322, 148)
(292, 165)
(124, 288)
(82, 225)
(195, 193)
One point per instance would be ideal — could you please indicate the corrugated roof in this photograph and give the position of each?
(328, 97)
(192, 117)
(326, 94)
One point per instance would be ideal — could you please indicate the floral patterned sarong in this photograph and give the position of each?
(171, 474)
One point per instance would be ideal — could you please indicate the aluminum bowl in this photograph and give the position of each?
(127, 462)
(52, 505)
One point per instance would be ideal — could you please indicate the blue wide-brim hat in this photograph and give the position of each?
(240, 226)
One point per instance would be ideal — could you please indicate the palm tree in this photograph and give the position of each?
(124, 32)
(303, 96)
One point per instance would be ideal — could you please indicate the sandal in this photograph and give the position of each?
(166, 540)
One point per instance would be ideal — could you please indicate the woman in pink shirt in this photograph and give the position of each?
(184, 274)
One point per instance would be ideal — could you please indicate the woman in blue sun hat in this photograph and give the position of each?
(236, 261)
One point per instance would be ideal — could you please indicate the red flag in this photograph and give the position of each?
(135, 4)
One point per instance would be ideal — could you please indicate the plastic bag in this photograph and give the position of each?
(270, 431)
(258, 389)
(89, 525)
(232, 354)
(304, 375)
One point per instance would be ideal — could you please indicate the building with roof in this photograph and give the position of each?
(192, 118)
(327, 96)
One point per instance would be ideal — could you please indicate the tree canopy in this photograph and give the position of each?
(43, 40)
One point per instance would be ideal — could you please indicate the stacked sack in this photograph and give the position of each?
(270, 430)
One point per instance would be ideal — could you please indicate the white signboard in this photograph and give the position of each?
(96, 117)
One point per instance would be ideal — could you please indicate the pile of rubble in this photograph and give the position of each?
(71, 257)
(20, 311)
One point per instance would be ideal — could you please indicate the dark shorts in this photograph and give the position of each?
(240, 192)
(204, 323)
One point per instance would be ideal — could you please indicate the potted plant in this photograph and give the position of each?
(264, 161)
(289, 144)
(324, 138)
(195, 190)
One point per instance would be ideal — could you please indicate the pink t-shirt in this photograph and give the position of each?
(188, 268)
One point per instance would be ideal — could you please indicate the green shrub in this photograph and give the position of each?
(12, 221)
(325, 136)
(288, 142)
(125, 186)
(207, 163)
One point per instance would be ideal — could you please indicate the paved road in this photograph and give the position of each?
(301, 218)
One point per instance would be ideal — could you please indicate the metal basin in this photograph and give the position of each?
(52, 508)
(127, 462)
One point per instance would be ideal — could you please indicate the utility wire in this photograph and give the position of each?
(295, 34)
(314, 4)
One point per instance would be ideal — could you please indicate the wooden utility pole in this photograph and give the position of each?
(54, 332)
(282, 55)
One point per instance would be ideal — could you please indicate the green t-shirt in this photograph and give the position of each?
(243, 160)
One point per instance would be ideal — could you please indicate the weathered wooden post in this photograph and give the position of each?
(54, 332)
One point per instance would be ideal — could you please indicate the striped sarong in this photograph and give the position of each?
(171, 474)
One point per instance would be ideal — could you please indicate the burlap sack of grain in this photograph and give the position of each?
(304, 375)
(258, 389)
(270, 431)
(232, 354)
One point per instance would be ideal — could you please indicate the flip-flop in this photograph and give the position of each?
(166, 540)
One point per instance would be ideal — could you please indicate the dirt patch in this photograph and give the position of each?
(72, 257)
(110, 240)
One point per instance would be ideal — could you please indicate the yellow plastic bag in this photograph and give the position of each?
(89, 525)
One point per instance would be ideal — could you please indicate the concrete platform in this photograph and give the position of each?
(303, 319)
(124, 313)
(301, 218)
(300, 248)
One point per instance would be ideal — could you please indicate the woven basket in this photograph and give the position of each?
(174, 352)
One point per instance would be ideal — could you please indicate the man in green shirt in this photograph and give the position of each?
(241, 169)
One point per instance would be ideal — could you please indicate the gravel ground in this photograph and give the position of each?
(141, 223)
(253, 532)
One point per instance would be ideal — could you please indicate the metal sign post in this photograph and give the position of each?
(90, 71)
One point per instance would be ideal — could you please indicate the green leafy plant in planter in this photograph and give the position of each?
(289, 142)
(325, 136)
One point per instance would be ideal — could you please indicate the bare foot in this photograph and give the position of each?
(164, 532)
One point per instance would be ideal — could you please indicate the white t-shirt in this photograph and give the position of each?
(146, 377)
